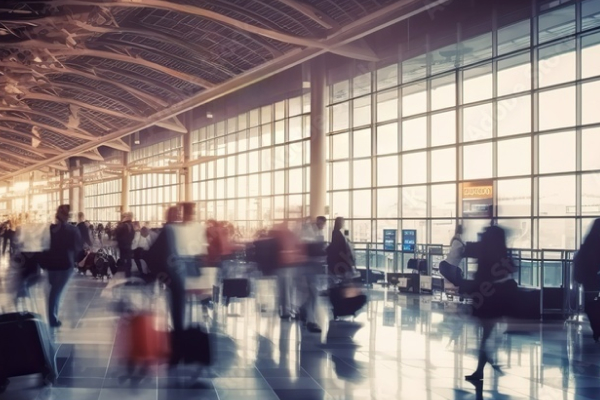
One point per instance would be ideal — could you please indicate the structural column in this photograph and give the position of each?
(318, 132)
(186, 175)
(125, 186)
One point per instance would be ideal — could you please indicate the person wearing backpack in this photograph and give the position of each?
(59, 260)
(124, 235)
(586, 272)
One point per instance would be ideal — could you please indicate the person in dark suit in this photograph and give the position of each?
(587, 272)
(493, 290)
(340, 258)
(59, 261)
(84, 230)
(124, 234)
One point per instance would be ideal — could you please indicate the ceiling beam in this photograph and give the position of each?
(118, 144)
(198, 12)
(93, 155)
(23, 146)
(107, 55)
(359, 50)
(365, 26)
(29, 137)
(70, 133)
(173, 124)
(10, 167)
(17, 156)
(92, 90)
(148, 98)
(309, 11)
(54, 99)
(58, 49)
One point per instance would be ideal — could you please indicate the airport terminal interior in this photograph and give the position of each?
(407, 118)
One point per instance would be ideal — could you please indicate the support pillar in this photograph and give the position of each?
(81, 199)
(61, 192)
(125, 186)
(186, 176)
(318, 137)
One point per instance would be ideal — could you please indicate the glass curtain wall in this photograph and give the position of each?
(150, 193)
(103, 201)
(260, 174)
(518, 105)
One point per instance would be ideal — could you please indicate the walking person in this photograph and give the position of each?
(314, 238)
(59, 261)
(450, 267)
(586, 272)
(493, 291)
(340, 257)
(124, 234)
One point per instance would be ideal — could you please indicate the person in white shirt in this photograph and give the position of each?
(450, 267)
(141, 244)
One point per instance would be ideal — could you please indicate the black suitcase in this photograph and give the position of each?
(345, 306)
(192, 346)
(239, 288)
(25, 348)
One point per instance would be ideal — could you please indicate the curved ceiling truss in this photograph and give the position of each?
(77, 74)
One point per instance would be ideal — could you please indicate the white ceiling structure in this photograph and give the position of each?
(78, 74)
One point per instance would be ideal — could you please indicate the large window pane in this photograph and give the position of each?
(590, 194)
(443, 200)
(387, 171)
(514, 157)
(514, 37)
(340, 146)
(514, 197)
(443, 165)
(361, 84)
(557, 195)
(387, 203)
(590, 14)
(518, 233)
(295, 129)
(362, 173)
(340, 175)
(557, 152)
(443, 128)
(514, 75)
(556, 233)
(387, 105)
(361, 231)
(414, 168)
(477, 84)
(361, 206)
(414, 134)
(341, 91)
(477, 161)
(414, 99)
(590, 54)
(341, 117)
(387, 139)
(341, 204)
(362, 143)
(295, 180)
(387, 77)
(556, 23)
(443, 92)
(557, 64)
(514, 115)
(278, 182)
(557, 108)
(442, 231)
(590, 102)
(414, 201)
(478, 122)
(590, 143)
(362, 111)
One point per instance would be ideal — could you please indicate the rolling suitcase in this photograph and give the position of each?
(192, 346)
(346, 301)
(25, 348)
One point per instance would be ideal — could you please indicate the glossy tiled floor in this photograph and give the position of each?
(401, 347)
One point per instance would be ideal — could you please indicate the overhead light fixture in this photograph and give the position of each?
(136, 138)
(209, 114)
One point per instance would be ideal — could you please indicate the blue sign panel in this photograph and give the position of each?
(389, 239)
(409, 240)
